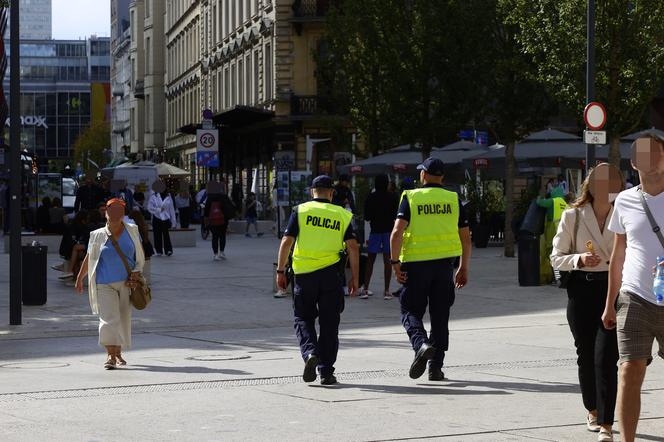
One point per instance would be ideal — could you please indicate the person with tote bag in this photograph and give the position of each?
(109, 285)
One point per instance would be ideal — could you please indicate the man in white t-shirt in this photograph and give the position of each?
(638, 318)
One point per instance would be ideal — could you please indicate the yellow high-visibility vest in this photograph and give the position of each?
(433, 231)
(559, 206)
(322, 227)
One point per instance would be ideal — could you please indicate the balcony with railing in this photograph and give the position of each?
(139, 89)
(310, 105)
(311, 10)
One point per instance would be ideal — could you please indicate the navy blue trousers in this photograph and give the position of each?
(319, 295)
(429, 283)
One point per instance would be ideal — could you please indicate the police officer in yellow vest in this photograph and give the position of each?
(430, 233)
(320, 232)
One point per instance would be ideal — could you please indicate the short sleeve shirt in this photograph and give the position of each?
(643, 246)
(404, 210)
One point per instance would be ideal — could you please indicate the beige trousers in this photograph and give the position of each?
(114, 314)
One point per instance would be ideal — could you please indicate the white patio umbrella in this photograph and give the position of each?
(165, 169)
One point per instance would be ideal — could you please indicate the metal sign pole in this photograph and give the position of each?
(590, 75)
(15, 283)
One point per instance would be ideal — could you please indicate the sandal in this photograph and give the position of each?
(110, 363)
(120, 360)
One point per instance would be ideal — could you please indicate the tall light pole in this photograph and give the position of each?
(16, 170)
(590, 75)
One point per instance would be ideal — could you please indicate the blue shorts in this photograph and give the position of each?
(379, 243)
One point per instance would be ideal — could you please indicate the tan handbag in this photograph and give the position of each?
(141, 295)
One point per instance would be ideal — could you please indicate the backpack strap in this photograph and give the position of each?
(651, 218)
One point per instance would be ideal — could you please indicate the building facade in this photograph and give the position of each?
(36, 18)
(147, 104)
(64, 88)
(120, 78)
(252, 63)
(185, 34)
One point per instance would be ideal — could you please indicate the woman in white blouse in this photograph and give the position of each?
(583, 247)
(109, 284)
(162, 210)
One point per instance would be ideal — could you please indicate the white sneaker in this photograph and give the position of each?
(388, 296)
(217, 257)
(605, 435)
(58, 267)
(368, 292)
(222, 255)
(591, 423)
(364, 295)
(66, 276)
(280, 294)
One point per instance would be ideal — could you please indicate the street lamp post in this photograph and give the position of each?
(590, 75)
(16, 171)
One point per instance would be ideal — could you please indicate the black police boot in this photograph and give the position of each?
(328, 380)
(420, 362)
(436, 374)
(310, 364)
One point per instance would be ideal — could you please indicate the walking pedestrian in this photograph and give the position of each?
(582, 246)
(219, 210)
(109, 286)
(380, 209)
(161, 208)
(430, 233)
(89, 195)
(343, 196)
(320, 231)
(183, 205)
(251, 214)
(631, 306)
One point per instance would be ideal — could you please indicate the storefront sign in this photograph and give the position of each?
(399, 167)
(481, 163)
(32, 120)
(356, 169)
(284, 160)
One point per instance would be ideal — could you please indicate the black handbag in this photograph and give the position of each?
(565, 276)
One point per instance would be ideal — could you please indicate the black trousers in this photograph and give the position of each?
(185, 217)
(319, 295)
(429, 283)
(596, 347)
(162, 239)
(219, 237)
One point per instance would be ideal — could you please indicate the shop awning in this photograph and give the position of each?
(242, 116)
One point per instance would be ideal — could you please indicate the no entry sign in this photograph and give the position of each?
(595, 116)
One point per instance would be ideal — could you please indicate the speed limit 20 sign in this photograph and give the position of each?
(207, 140)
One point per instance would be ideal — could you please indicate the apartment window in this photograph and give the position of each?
(233, 86)
(227, 93)
(256, 77)
(242, 12)
(240, 78)
(233, 16)
(148, 70)
(148, 114)
(219, 89)
(133, 25)
(148, 8)
(267, 70)
(226, 18)
(247, 79)
(215, 18)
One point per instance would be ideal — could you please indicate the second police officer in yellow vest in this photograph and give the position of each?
(430, 234)
(320, 232)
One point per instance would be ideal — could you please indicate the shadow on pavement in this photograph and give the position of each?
(648, 437)
(190, 369)
(403, 390)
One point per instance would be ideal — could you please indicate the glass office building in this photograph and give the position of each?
(58, 84)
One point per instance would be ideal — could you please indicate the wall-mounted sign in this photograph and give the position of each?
(31, 120)
(481, 163)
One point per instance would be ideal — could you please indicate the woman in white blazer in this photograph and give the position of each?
(583, 247)
(162, 210)
(109, 285)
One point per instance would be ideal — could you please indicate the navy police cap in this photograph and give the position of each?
(433, 166)
(322, 182)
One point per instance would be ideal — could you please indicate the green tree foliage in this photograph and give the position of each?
(402, 70)
(629, 55)
(91, 144)
(515, 104)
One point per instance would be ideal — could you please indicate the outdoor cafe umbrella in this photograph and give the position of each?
(165, 169)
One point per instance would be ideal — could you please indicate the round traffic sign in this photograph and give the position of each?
(207, 140)
(595, 116)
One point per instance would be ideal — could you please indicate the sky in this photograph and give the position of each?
(74, 19)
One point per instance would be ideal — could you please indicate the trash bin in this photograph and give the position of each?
(34, 274)
(529, 245)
